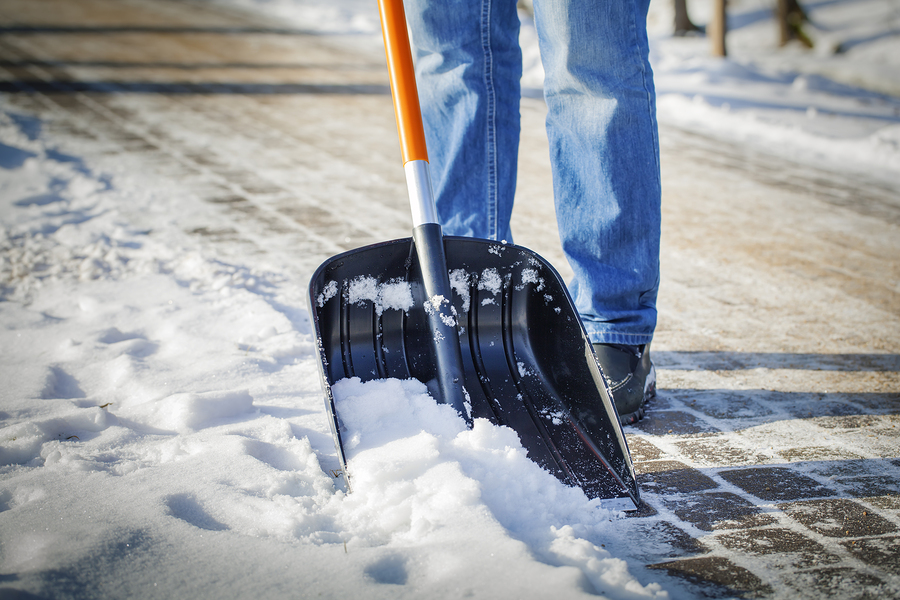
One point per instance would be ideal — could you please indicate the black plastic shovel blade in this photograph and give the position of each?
(528, 362)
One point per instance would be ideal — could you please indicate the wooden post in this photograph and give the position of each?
(683, 23)
(791, 16)
(784, 30)
(717, 28)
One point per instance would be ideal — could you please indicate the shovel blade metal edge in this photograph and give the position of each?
(527, 360)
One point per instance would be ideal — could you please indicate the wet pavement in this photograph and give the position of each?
(769, 463)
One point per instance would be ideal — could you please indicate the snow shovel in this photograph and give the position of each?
(488, 327)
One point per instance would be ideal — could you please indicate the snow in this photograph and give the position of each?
(162, 429)
(459, 282)
(835, 106)
(391, 295)
(418, 472)
(490, 281)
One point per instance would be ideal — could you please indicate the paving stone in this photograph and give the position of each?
(879, 402)
(879, 448)
(817, 407)
(644, 510)
(717, 577)
(776, 483)
(864, 487)
(662, 401)
(661, 539)
(838, 517)
(844, 468)
(891, 502)
(847, 422)
(729, 404)
(716, 452)
(817, 453)
(793, 549)
(673, 423)
(889, 432)
(838, 582)
(713, 511)
(883, 552)
(671, 477)
(641, 449)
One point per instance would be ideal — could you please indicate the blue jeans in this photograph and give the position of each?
(601, 124)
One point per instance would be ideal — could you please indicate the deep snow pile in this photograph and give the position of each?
(161, 423)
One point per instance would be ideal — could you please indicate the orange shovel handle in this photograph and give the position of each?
(403, 81)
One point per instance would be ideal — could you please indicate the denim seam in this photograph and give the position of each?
(650, 109)
(654, 132)
(491, 120)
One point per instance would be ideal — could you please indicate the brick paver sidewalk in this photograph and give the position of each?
(763, 493)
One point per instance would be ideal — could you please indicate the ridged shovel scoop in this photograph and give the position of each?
(488, 327)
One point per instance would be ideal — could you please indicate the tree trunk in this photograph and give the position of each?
(683, 23)
(791, 16)
(717, 29)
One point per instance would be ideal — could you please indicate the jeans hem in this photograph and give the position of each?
(611, 337)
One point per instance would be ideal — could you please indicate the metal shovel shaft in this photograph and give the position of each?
(427, 235)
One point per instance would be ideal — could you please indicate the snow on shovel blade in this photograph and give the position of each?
(527, 360)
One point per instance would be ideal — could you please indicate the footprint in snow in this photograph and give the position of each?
(186, 508)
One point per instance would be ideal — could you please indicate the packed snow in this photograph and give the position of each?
(162, 428)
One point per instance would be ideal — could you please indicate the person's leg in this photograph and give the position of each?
(468, 66)
(605, 156)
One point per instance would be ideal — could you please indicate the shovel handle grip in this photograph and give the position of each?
(403, 81)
